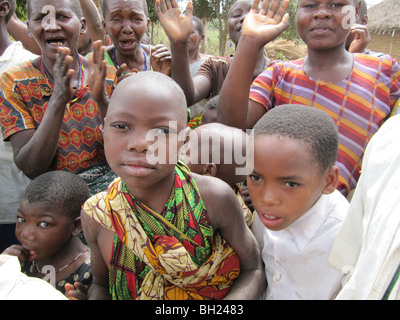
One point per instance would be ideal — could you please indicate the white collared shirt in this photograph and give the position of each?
(296, 258)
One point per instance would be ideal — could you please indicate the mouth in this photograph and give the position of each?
(321, 29)
(138, 168)
(269, 220)
(32, 254)
(127, 43)
(56, 42)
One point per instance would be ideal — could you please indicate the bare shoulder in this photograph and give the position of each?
(220, 200)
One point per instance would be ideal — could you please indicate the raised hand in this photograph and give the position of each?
(176, 25)
(62, 75)
(268, 22)
(161, 59)
(361, 40)
(97, 75)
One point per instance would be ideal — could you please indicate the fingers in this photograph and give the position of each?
(274, 10)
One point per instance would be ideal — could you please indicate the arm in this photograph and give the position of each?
(35, 149)
(19, 31)
(94, 21)
(226, 216)
(258, 29)
(178, 28)
(100, 242)
(97, 75)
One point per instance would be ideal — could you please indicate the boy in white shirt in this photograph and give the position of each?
(299, 210)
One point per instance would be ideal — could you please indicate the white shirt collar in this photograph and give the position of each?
(304, 229)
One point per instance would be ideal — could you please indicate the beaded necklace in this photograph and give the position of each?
(67, 265)
(117, 65)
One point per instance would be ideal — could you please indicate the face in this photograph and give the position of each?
(58, 27)
(141, 134)
(283, 185)
(41, 230)
(325, 24)
(126, 24)
(235, 19)
(195, 37)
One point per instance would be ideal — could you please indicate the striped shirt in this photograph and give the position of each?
(358, 104)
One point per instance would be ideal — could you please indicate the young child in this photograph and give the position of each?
(48, 228)
(220, 151)
(170, 234)
(299, 210)
(358, 91)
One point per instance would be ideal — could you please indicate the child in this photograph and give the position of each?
(167, 230)
(358, 91)
(220, 151)
(367, 246)
(48, 225)
(299, 212)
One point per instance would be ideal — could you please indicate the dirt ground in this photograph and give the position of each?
(282, 49)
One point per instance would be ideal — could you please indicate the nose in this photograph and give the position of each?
(138, 141)
(270, 197)
(322, 12)
(49, 23)
(27, 232)
(126, 27)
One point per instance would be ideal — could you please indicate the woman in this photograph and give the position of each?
(50, 114)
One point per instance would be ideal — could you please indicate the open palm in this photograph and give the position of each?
(268, 22)
(176, 25)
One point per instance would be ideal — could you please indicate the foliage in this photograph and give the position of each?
(20, 10)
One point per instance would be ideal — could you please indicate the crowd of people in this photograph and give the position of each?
(133, 171)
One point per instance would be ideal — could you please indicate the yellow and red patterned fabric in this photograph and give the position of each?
(24, 96)
(171, 255)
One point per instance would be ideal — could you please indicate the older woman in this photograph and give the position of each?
(49, 112)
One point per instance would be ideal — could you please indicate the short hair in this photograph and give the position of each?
(55, 187)
(199, 25)
(76, 5)
(158, 79)
(310, 125)
(12, 9)
(104, 8)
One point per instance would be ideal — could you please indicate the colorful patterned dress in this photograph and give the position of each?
(24, 96)
(173, 255)
(358, 104)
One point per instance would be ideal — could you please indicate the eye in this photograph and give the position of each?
(254, 177)
(291, 185)
(120, 126)
(337, 5)
(21, 220)
(44, 224)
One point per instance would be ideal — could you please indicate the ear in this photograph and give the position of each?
(148, 24)
(77, 227)
(210, 169)
(83, 26)
(331, 180)
(4, 8)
